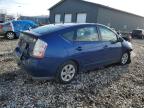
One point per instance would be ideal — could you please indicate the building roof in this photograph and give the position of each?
(100, 5)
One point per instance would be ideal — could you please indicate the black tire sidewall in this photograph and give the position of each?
(59, 70)
(129, 58)
(13, 34)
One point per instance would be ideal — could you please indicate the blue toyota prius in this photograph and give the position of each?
(60, 51)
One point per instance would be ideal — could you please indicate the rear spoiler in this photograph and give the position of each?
(31, 33)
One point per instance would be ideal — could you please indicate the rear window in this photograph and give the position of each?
(48, 29)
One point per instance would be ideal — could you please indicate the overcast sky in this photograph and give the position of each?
(40, 7)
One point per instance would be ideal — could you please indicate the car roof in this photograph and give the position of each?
(57, 27)
(65, 25)
(53, 28)
(61, 26)
(18, 21)
(25, 21)
(22, 20)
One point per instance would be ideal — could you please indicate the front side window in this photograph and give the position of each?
(107, 35)
(87, 34)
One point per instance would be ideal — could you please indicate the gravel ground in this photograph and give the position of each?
(112, 87)
(7, 45)
(138, 41)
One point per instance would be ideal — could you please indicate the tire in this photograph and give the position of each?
(125, 59)
(10, 35)
(66, 72)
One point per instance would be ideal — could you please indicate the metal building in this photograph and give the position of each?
(79, 11)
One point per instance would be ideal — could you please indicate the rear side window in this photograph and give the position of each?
(87, 34)
(69, 35)
(107, 35)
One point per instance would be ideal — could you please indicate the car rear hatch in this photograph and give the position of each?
(30, 45)
(25, 45)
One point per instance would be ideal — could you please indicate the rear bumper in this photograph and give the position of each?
(38, 69)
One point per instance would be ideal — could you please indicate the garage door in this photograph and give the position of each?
(68, 18)
(57, 18)
(81, 17)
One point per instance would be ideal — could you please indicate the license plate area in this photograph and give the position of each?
(22, 49)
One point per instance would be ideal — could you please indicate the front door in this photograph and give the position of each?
(112, 48)
(88, 49)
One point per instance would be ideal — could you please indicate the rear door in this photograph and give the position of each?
(88, 49)
(112, 48)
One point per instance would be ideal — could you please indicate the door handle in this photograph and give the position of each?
(79, 48)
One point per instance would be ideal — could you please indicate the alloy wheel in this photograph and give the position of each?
(68, 72)
(10, 35)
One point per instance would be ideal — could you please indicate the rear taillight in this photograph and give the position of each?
(39, 49)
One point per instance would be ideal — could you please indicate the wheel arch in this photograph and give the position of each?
(77, 64)
(62, 64)
(73, 60)
(128, 51)
(9, 31)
